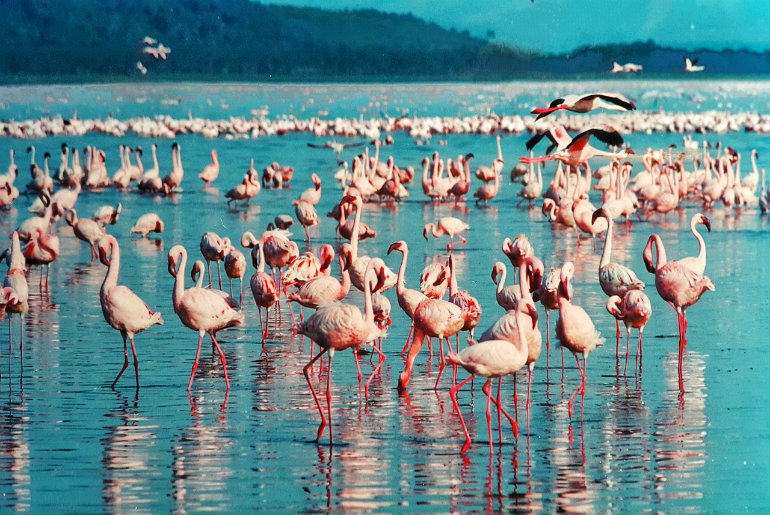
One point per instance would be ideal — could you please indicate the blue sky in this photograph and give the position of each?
(563, 25)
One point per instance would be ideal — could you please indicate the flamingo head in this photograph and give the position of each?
(497, 270)
(350, 199)
(527, 306)
(705, 221)
(316, 180)
(159, 226)
(599, 213)
(346, 254)
(399, 246)
(535, 271)
(647, 255)
(613, 307)
(196, 270)
(327, 255)
(103, 251)
(442, 276)
(425, 230)
(382, 276)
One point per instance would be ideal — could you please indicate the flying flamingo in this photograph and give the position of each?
(264, 290)
(211, 172)
(200, 309)
(408, 299)
(122, 308)
(634, 309)
(335, 327)
(586, 103)
(614, 278)
(16, 279)
(447, 226)
(578, 152)
(86, 230)
(677, 283)
(147, 223)
(575, 330)
(493, 359)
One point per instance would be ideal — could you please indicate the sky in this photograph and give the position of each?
(555, 26)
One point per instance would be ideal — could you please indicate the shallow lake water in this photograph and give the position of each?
(70, 443)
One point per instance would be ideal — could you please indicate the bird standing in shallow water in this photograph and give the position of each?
(121, 307)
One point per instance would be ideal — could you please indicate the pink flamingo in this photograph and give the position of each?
(488, 191)
(575, 330)
(235, 267)
(493, 359)
(197, 273)
(42, 249)
(678, 284)
(211, 172)
(359, 263)
(312, 195)
(147, 223)
(200, 309)
(335, 327)
(578, 152)
(16, 279)
(469, 305)
(325, 288)
(408, 299)
(214, 248)
(121, 307)
(634, 309)
(447, 226)
(7, 296)
(517, 250)
(507, 296)
(86, 230)
(614, 278)
(434, 280)
(586, 103)
(306, 214)
(264, 290)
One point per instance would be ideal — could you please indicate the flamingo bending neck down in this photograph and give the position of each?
(634, 309)
(200, 309)
(121, 307)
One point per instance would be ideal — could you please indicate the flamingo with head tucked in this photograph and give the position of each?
(121, 307)
(16, 279)
(634, 309)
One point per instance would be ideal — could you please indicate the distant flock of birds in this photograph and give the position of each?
(689, 66)
(668, 178)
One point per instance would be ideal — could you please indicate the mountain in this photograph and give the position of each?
(86, 40)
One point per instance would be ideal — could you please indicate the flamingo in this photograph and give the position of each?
(493, 359)
(585, 103)
(86, 230)
(306, 214)
(279, 250)
(7, 296)
(264, 290)
(214, 248)
(575, 330)
(487, 173)
(678, 284)
(408, 299)
(325, 288)
(312, 195)
(447, 226)
(121, 307)
(518, 250)
(198, 272)
(147, 223)
(692, 65)
(200, 309)
(556, 134)
(488, 191)
(578, 152)
(507, 297)
(634, 309)
(107, 215)
(359, 263)
(211, 172)
(42, 249)
(697, 264)
(16, 279)
(345, 226)
(434, 280)
(335, 327)
(235, 267)
(614, 278)
(468, 304)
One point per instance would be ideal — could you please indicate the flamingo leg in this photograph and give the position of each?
(219, 274)
(547, 344)
(222, 358)
(136, 362)
(329, 393)
(195, 365)
(312, 390)
(374, 372)
(578, 389)
(639, 352)
(231, 286)
(628, 338)
(417, 340)
(487, 390)
(617, 338)
(358, 368)
(125, 359)
(453, 395)
(208, 265)
(499, 413)
(529, 386)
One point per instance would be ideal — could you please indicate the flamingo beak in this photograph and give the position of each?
(706, 222)
(441, 277)
(380, 279)
(425, 233)
(171, 266)
(494, 275)
(532, 311)
(595, 216)
(394, 246)
(103, 256)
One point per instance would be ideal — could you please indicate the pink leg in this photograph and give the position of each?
(403, 379)
(136, 362)
(195, 365)
(628, 338)
(312, 390)
(529, 386)
(222, 358)
(358, 368)
(409, 336)
(514, 425)
(453, 395)
(208, 265)
(219, 274)
(329, 397)
(639, 352)
(374, 372)
(617, 339)
(125, 359)
(582, 377)
(487, 389)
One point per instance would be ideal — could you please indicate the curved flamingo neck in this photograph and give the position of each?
(356, 227)
(345, 283)
(401, 280)
(655, 241)
(500, 283)
(452, 276)
(113, 271)
(607, 252)
(261, 257)
(701, 259)
(179, 282)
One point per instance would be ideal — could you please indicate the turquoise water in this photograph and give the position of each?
(71, 444)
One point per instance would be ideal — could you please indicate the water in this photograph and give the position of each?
(71, 444)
